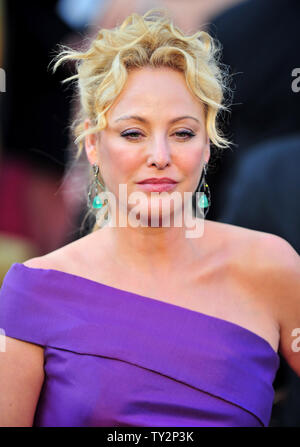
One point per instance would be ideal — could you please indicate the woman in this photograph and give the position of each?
(148, 325)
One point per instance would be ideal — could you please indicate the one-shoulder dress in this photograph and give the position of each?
(113, 358)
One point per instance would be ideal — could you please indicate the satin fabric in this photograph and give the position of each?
(114, 358)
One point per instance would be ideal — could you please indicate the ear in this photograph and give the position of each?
(90, 143)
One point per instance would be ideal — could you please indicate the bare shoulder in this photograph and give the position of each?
(65, 258)
(56, 261)
(264, 248)
(265, 260)
(264, 256)
(269, 267)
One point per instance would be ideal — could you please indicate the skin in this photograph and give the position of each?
(247, 277)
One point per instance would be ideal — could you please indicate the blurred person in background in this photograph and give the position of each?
(260, 45)
(189, 15)
(33, 212)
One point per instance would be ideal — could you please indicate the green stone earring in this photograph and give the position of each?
(96, 202)
(204, 201)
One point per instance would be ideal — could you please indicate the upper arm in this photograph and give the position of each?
(282, 284)
(21, 379)
(290, 315)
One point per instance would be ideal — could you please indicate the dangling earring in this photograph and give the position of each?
(97, 202)
(204, 201)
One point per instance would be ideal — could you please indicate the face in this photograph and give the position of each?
(157, 141)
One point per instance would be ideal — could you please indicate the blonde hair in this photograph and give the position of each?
(147, 40)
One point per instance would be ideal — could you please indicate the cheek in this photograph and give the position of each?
(119, 163)
(189, 161)
(124, 165)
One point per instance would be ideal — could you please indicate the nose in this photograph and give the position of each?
(159, 154)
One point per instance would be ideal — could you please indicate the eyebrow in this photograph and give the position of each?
(144, 120)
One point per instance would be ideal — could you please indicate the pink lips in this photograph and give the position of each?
(157, 180)
(157, 184)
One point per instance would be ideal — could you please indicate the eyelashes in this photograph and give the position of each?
(130, 134)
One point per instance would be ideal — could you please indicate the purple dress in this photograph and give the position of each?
(115, 359)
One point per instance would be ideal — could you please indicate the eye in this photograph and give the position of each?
(187, 133)
(130, 134)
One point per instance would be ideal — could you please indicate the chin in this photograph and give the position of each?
(156, 214)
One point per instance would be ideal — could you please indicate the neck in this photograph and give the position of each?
(152, 249)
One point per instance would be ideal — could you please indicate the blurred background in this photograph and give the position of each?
(255, 184)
